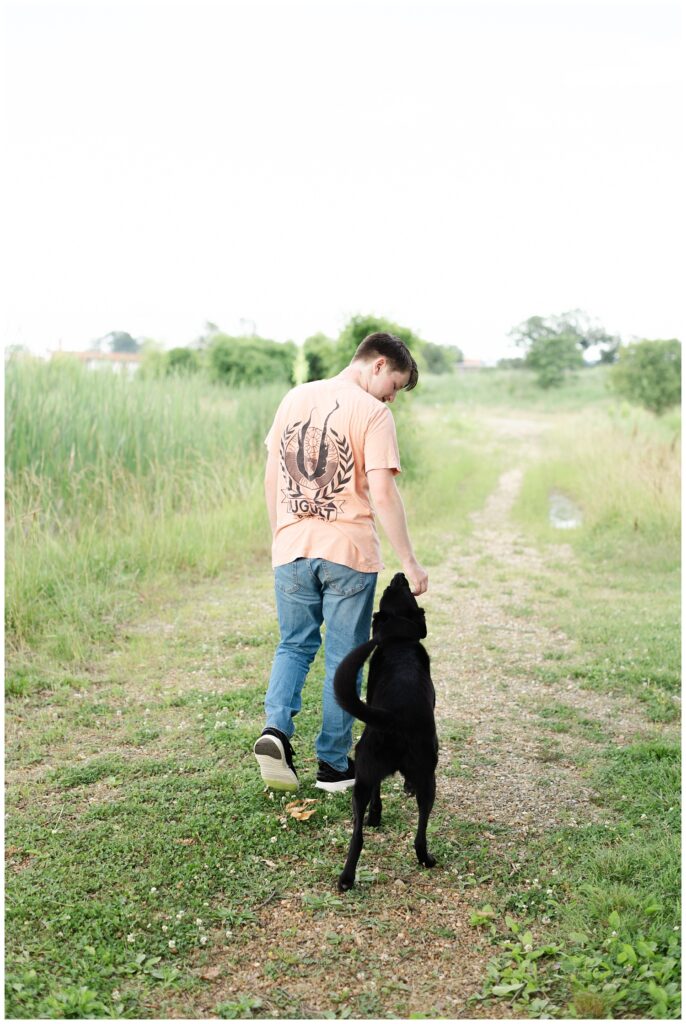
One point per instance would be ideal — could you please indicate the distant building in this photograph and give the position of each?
(119, 362)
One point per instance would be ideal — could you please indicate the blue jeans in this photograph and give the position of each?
(310, 591)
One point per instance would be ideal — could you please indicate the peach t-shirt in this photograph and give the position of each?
(327, 435)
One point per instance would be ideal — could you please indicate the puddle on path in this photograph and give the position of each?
(562, 512)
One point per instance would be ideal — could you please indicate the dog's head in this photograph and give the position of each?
(399, 614)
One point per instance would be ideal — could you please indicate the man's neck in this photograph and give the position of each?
(355, 374)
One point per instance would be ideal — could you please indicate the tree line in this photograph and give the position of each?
(646, 372)
(254, 360)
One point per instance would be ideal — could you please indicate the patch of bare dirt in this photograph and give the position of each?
(418, 955)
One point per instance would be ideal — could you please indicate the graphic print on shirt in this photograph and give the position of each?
(317, 463)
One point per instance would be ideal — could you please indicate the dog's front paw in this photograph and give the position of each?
(429, 861)
(345, 882)
(374, 819)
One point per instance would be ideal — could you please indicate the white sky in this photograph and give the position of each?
(454, 166)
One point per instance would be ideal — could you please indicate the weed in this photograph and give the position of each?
(324, 901)
(637, 976)
(242, 1007)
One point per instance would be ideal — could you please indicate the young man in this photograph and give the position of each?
(332, 452)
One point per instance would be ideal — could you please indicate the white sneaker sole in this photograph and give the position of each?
(335, 787)
(271, 757)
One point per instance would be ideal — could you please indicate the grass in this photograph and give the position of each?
(116, 487)
(608, 896)
(116, 858)
(516, 390)
(141, 856)
(620, 599)
(119, 853)
(611, 942)
(623, 474)
(113, 484)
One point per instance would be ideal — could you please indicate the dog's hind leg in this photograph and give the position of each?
(362, 794)
(426, 793)
(374, 816)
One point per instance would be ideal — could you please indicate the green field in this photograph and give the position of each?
(149, 875)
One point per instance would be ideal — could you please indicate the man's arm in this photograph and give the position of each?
(271, 488)
(391, 512)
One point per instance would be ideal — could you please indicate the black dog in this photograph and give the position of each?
(400, 732)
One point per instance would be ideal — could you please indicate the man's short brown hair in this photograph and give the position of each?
(394, 350)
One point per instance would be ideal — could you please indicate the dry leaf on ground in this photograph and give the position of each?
(300, 810)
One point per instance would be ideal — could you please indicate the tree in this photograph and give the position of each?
(325, 357)
(440, 358)
(117, 341)
(531, 330)
(211, 330)
(552, 345)
(649, 373)
(357, 329)
(589, 337)
(429, 356)
(551, 357)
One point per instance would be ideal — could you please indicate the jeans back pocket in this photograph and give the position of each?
(343, 580)
(286, 577)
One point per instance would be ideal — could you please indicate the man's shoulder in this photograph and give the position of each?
(302, 394)
(343, 390)
(305, 390)
(296, 393)
(356, 399)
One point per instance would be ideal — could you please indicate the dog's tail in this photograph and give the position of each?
(345, 688)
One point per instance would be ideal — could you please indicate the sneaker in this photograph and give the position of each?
(275, 757)
(335, 782)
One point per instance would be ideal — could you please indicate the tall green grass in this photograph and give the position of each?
(621, 601)
(623, 471)
(112, 481)
(115, 484)
(77, 440)
(516, 389)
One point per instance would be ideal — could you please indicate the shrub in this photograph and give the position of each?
(440, 358)
(251, 360)
(649, 374)
(182, 360)
(320, 357)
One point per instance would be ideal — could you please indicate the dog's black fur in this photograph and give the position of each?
(400, 732)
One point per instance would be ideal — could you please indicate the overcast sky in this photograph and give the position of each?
(453, 166)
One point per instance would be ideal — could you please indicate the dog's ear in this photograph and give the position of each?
(422, 623)
(378, 618)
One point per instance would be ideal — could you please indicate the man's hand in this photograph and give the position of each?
(417, 577)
